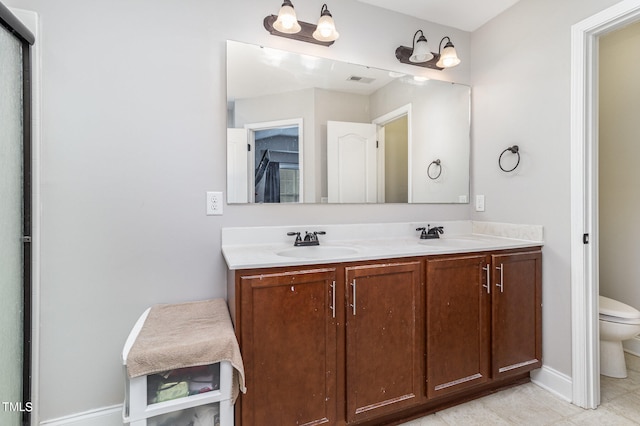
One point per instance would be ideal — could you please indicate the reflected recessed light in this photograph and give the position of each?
(394, 74)
(420, 78)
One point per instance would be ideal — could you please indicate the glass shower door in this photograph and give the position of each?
(11, 230)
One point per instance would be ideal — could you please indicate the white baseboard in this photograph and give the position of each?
(632, 346)
(107, 416)
(554, 381)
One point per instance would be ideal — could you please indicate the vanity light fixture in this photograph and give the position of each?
(420, 54)
(448, 56)
(287, 25)
(287, 22)
(420, 51)
(326, 28)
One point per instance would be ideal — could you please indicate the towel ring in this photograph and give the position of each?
(437, 163)
(514, 150)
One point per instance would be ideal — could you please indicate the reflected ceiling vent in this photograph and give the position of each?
(358, 79)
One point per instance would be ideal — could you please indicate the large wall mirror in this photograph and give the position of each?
(303, 129)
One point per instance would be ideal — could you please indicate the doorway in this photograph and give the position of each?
(584, 196)
(618, 174)
(394, 136)
(15, 220)
(276, 173)
(396, 160)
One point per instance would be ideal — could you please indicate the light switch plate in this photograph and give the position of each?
(214, 203)
(479, 203)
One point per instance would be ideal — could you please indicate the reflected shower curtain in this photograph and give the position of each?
(272, 183)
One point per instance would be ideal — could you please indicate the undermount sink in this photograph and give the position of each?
(454, 242)
(317, 252)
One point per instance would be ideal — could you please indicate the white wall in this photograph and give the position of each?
(133, 135)
(619, 174)
(521, 95)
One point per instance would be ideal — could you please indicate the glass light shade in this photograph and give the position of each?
(421, 52)
(287, 21)
(326, 29)
(449, 57)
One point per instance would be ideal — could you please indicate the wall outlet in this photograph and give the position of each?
(214, 203)
(479, 203)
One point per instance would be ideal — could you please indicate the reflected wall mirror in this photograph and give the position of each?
(303, 129)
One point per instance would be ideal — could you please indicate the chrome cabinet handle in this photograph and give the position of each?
(333, 299)
(501, 283)
(353, 305)
(488, 275)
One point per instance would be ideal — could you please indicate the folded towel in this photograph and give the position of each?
(186, 335)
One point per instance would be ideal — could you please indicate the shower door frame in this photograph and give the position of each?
(26, 39)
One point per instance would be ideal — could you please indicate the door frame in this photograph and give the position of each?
(252, 128)
(31, 79)
(584, 196)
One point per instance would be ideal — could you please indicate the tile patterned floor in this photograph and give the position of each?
(531, 405)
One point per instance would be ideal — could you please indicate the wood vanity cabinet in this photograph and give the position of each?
(374, 342)
(288, 342)
(483, 320)
(296, 324)
(384, 350)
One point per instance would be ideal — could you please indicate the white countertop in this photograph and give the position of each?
(350, 243)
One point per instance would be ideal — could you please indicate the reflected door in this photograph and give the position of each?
(11, 229)
(352, 169)
(237, 166)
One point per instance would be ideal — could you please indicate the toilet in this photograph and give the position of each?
(618, 322)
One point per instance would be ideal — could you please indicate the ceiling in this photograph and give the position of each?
(474, 13)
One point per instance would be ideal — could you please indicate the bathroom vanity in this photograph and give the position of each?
(379, 330)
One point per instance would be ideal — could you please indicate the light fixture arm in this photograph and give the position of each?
(447, 56)
(447, 45)
(413, 47)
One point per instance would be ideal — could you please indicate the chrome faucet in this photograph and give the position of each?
(310, 238)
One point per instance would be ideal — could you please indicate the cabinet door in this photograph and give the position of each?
(458, 310)
(384, 328)
(517, 313)
(288, 337)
